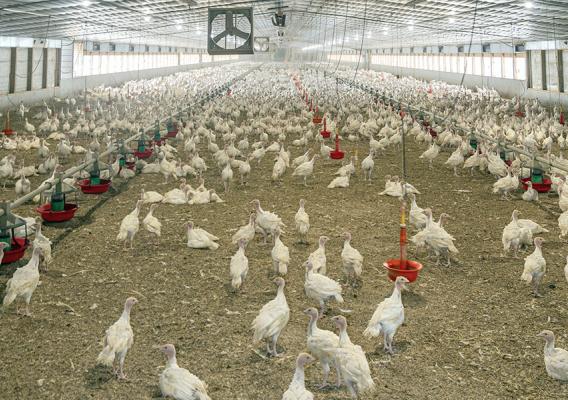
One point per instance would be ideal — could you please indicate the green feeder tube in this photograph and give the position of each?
(537, 176)
(473, 142)
(57, 201)
(141, 145)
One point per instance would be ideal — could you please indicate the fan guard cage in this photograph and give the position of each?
(230, 31)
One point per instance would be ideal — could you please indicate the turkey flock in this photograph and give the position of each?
(265, 117)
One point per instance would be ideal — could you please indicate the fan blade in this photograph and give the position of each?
(241, 34)
(219, 36)
(229, 21)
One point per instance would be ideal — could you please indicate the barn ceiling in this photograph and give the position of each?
(333, 24)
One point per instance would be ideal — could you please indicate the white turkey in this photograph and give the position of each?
(302, 220)
(178, 383)
(238, 267)
(321, 288)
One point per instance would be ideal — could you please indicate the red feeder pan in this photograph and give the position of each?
(87, 188)
(520, 114)
(172, 134)
(8, 132)
(19, 246)
(160, 142)
(410, 271)
(325, 133)
(130, 165)
(543, 187)
(337, 154)
(143, 154)
(57, 216)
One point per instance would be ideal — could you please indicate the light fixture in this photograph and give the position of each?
(451, 20)
(198, 32)
(529, 4)
(178, 27)
(179, 21)
(86, 3)
(410, 27)
(147, 18)
(452, 12)
(369, 34)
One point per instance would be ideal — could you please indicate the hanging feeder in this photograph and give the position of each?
(325, 133)
(8, 131)
(144, 146)
(125, 156)
(561, 120)
(16, 245)
(337, 154)
(94, 184)
(402, 266)
(158, 140)
(172, 128)
(317, 117)
(58, 210)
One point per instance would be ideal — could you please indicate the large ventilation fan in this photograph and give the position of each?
(261, 44)
(230, 31)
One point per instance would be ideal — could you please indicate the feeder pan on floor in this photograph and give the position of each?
(58, 210)
(94, 184)
(16, 245)
(401, 266)
(325, 133)
(539, 182)
(172, 128)
(8, 131)
(337, 154)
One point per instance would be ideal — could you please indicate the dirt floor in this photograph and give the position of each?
(470, 330)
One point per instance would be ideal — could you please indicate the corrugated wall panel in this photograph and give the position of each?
(4, 69)
(37, 68)
(67, 61)
(21, 69)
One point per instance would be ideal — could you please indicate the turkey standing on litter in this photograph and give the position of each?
(245, 232)
(352, 362)
(388, 316)
(130, 226)
(302, 220)
(266, 221)
(322, 345)
(321, 288)
(239, 266)
(178, 383)
(23, 283)
(352, 259)
(280, 255)
(297, 389)
(272, 319)
(318, 258)
(535, 266)
(555, 359)
(305, 169)
(119, 338)
(151, 223)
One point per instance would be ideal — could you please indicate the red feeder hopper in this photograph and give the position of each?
(57, 216)
(337, 154)
(562, 118)
(87, 188)
(325, 133)
(8, 126)
(401, 266)
(543, 187)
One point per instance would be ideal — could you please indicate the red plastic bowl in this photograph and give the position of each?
(317, 120)
(57, 216)
(143, 154)
(87, 188)
(19, 246)
(172, 134)
(543, 187)
(337, 154)
(410, 272)
(325, 133)
(8, 132)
